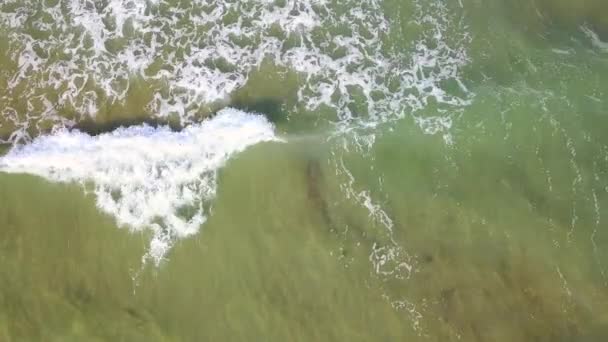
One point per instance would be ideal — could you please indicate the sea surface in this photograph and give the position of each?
(304, 170)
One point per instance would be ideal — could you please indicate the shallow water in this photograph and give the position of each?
(393, 170)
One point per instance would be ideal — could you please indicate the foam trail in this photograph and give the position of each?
(147, 178)
(595, 39)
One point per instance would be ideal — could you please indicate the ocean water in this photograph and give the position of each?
(289, 170)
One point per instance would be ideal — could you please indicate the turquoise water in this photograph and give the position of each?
(330, 170)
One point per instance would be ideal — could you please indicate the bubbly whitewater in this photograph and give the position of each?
(195, 55)
(147, 178)
(455, 150)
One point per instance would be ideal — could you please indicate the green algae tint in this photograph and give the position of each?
(451, 187)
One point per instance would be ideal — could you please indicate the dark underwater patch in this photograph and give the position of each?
(4, 149)
(269, 107)
(95, 128)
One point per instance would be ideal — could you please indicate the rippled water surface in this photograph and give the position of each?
(290, 170)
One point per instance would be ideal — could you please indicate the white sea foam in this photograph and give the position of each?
(147, 178)
(433, 62)
(196, 54)
(595, 39)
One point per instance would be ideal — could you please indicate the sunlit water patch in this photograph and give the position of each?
(147, 178)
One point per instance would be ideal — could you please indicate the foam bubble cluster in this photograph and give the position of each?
(595, 39)
(74, 56)
(147, 178)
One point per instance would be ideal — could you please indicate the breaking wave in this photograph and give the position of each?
(147, 178)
